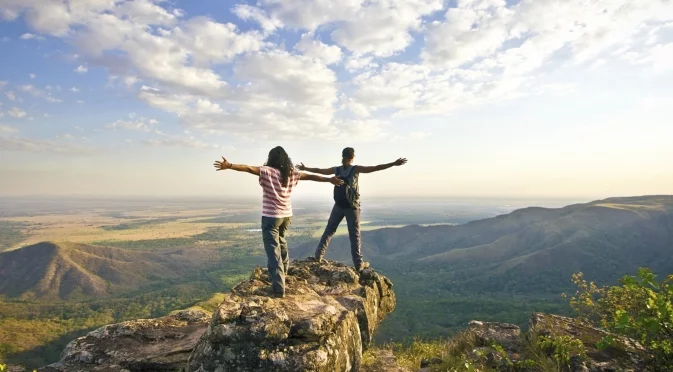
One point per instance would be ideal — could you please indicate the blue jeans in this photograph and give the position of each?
(353, 221)
(275, 245)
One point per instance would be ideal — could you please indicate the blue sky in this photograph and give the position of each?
(485, 97)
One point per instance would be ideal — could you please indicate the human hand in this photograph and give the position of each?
(301, 167)
(400, 161)
(222, 165)
(336, 181)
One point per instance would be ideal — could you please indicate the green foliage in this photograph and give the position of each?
(139, 224)
(562, 348)
(640, 308)
(453, 354)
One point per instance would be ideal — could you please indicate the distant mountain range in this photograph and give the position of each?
(530, 249)
(70, 271)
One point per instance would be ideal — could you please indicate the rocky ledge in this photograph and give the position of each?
(502, 347)
(161, 344)
(329, 314)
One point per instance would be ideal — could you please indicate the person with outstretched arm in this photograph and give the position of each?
(278, 178)
(347, 203)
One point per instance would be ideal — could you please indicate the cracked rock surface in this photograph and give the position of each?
(329, 314)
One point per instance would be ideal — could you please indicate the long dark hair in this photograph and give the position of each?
(279, 159)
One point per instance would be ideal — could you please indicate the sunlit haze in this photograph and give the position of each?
(485, 98)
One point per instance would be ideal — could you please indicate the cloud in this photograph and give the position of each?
(380, 27)
(36, 92)
(66, 136)
(141, 124)
(36, 145)
(145, 12)
(5, 39)
(309, 14)
(327, 54)
(419, 135)
(10, 96)
(177, 58)
(655, 103)
(404, 57)
(358, 63)
(486, 50)
(383, 27)
(28, 36)
(32, 76)
(74, 89)
(251, 13)
(131, 81)
(7, 128)
(16, 112)
(179, 142)
(81, 69)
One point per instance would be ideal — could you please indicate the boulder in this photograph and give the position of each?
(488, 333)
(624, 356)
(162, 344)
(329, 314)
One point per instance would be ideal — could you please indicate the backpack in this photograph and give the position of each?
(347, 195)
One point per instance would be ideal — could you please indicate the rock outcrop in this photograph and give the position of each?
(161, 344)
(328, 316)
(623, 356)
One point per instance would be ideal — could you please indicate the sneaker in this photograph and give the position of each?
(363, 265)
(316, 259)
(278, 295)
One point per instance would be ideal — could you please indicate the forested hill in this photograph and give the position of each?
(71, 271)
(536, 249)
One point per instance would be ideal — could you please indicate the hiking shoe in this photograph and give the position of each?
(363, 265)
(278, 295)
(316, 259)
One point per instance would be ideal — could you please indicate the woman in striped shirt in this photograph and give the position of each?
(278, 179)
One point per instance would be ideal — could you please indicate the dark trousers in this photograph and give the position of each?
(275, 245)
(353, 220)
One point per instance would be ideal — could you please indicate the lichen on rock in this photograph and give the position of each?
(161, 344)
(328, 316)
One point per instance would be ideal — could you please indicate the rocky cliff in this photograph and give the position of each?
(325, 321)
(323, 324)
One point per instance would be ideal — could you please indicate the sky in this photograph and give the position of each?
(486, 98)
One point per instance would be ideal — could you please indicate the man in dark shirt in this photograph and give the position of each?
(351, 210)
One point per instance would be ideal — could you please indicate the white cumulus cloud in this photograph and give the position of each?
(327, 54)
(16, 112)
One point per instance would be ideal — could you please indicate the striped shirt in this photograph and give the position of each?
(276, 198)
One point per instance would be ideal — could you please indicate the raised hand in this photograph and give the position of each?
(336, 181)
(400, 161)
(222, 165)
(301, 167)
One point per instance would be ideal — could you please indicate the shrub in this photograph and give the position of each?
(639, 308)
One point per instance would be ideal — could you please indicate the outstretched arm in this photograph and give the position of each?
(380, 167)
(325, 171)
(313, 177)
(224, 165)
